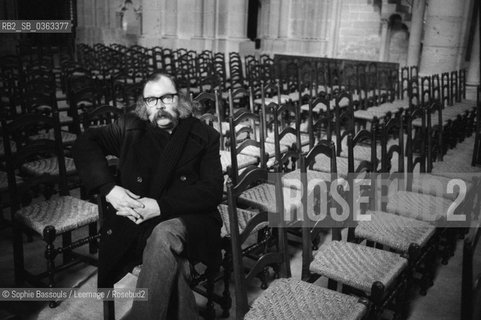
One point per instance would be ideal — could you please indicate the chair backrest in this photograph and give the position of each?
(434, 134)
(101, 116)
(258, 144)
(312, 205)
(39, 102)
(446, 96)
(426, 90)
(362, 137)
(323, 116)
(27, 157)
(283, 128)
(471, 282)
(252, 177)
(392, 129)
(455, 87)
(344, 117)
(269, 89)
(476, 160)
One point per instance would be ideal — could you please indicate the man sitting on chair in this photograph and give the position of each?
(162, 204)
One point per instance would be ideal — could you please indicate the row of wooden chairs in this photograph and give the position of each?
(419, 258)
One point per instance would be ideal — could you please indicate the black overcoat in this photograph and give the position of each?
(186, 182)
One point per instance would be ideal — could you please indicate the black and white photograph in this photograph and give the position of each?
(240, 159)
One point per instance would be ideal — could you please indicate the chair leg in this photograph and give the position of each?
(109, 310)
(18, 256)
(402, 301)
(427, 278)
(210, 308)
(49, 234)
(226, 298)
(66, 240)
(93, 243)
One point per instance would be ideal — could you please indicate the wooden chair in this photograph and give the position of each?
(374, 274)
(278, 300)
(310, 300)
(57, 213)
(250, 150)
(470, 287)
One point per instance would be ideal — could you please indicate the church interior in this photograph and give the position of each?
(367, 106)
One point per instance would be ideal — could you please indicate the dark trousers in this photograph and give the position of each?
(165, 273)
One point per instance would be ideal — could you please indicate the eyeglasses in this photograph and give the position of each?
(166, 99)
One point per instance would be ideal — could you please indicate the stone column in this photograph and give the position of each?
(274, 17)
(473, 74)
(335, 17)
(209, 20)
(237, 19)
(198, 15)
(443, 29)
(385, 40)
(169, 17)
(417, 22)
(285, 18)
(151, 19)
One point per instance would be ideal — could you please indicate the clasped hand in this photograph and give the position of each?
(132, 206)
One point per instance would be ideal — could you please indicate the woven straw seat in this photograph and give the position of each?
(394, 231)
(437, 185)
(341, 163)
(289, 139)
(65, 119)
(356, 265)
(269, 149)
(294, 96)
(48, 166)
(242, 160)
(419, 206)
(295, 299)
(64, 213)
(275, 99)
(293, 179)
(263, 197)
(67, 137)
(244, 216)
(225, 126)
(317, 108)
(368, 115)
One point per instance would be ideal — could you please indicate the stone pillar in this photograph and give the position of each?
(473, 74)
(335, 15)
(209, 21)
(237, 19)
(263, 20)
(151, 19)
(274, 17)
(443, 29)
(285, 19)
(417, 22)
(169, 17)
(385, 40)
(198, 15)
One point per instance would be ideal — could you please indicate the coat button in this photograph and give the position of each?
(183, 178)
(139, 179)
(109, 232)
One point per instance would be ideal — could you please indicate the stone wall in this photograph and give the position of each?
(218, 25)
(359, 32)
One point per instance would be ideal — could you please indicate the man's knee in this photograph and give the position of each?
(167, 236)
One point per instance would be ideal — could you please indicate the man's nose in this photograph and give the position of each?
(160, 105)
